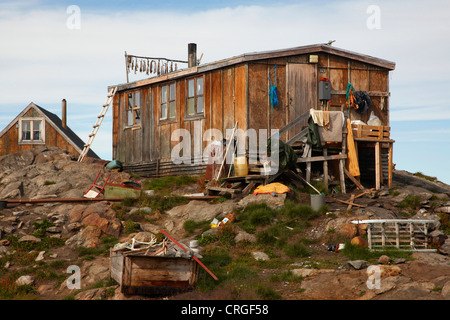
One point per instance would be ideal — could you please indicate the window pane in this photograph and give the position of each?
(172, 109)
(26, 130)
(164, 111)
(191, 106)
(200, 105)
(137, 99)
(191, 88)
(163, 94)
(137, 116)
(130, 101)
(172, 92)
(37, 130)
(130, 118)
(199, 86)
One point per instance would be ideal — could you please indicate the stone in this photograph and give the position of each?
(399, 260)
(40, 256)
(45, 289)
(21, 213)
(258, 255)
(89, 237)
(25, 281)
(74, 226)
(146, 210)
(358, 241)
(144, 236)
(384, 259)
(445, 292)
(379, 213)
(271, 201)
(29, 238)
(244, 236)
(93, 294)
(389, 271)
(303, 272)
(76, 213)
(358, 264)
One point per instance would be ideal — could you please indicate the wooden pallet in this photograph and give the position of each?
(404, 234)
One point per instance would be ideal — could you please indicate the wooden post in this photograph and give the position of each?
(391, 146)
(411, 235)
(126, 65)
(425, 233)
(325, 168)
(397, 236)
(369, 235)
(377, 166)
(383, 237)
(308, 167)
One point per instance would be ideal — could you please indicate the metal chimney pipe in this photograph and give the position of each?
(192, 55)
(64, 113)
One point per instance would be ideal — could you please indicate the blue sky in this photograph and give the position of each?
(43, 61)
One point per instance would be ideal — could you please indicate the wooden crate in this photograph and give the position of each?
(371, 132)
(152, 275)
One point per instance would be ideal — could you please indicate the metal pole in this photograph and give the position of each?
(126, 64)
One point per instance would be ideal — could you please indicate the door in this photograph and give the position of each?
(302, 93)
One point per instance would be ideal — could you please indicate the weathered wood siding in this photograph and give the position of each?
(147, 148)
(240, 93)
(9, 142)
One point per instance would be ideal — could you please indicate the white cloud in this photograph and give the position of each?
(43, 61)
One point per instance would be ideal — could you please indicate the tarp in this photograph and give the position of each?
(274, 187)
(286, 155)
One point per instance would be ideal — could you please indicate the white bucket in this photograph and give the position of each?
(317, 201)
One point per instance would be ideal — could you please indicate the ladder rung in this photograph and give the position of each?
(100, 116)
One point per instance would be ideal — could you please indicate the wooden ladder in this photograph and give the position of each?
(98, 123)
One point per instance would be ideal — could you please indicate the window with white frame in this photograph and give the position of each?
(31, 130)
(134, 109)
(195, 96)
(168, 95)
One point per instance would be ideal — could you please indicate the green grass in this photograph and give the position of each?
(421, 175)
(354, 252)
(167, 184)
(296, 250)
(410, 202)
(191, 226)
(286, 276)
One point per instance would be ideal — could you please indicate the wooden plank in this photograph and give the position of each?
(216, 101)
(228, 99)
(302, 92)
(257, 93)
(352, 203)
(294, 122)
(322, 158)
(353, 179)
(240, 93)
(377, 166)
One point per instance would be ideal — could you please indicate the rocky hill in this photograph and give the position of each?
(41, 240)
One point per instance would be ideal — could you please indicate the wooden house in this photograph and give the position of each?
(35, 126)
(220, 94)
